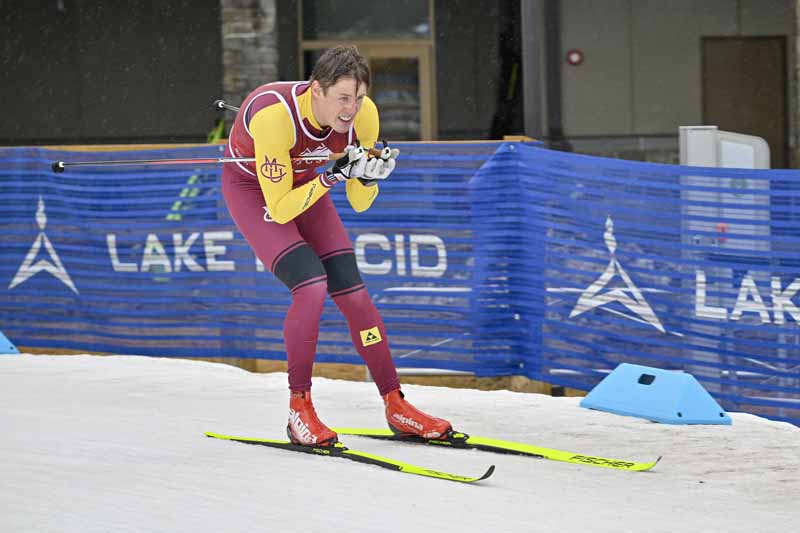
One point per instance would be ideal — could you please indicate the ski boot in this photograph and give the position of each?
(405, 419)
(304, 426)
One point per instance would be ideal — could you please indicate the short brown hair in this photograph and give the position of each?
(342, 61)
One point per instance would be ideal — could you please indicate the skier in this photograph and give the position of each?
(282, 208)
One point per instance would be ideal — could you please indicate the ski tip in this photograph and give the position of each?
(488, 473)
(213, 435)
(646, 467)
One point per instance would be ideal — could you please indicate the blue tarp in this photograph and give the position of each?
(494, 258)
(585, 262)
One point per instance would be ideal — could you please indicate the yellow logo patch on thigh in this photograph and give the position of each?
(370, 336)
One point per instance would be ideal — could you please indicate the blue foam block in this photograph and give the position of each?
(6, 347)
(655, 394)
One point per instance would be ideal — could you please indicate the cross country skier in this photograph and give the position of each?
(282, 208)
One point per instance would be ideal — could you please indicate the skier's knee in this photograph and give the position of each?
(299, 267)
(342, 272)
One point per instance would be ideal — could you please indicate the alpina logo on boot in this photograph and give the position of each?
(300, 429)
(370, 336)
(407, 421)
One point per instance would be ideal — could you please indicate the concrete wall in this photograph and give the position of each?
(641, 77)
(249, 46)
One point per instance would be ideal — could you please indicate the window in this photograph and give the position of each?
(396, 38)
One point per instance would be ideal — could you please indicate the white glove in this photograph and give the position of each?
(351, 165)
(379, 168)
(389, 153)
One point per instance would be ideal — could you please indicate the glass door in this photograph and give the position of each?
(401, 59)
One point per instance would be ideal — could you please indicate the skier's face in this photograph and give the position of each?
(338, 105)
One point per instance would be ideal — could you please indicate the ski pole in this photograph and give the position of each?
(220, 104)
(60, 166)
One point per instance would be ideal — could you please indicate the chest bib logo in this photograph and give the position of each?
(321, 152)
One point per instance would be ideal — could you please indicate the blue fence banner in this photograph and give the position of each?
(582, 263)
(146, 259)
(495, 258)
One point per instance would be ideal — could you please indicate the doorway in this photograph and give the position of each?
(400, 49)
(402, 86)
(744, 89)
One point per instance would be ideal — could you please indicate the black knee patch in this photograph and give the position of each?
(298, 266)
(342, 272)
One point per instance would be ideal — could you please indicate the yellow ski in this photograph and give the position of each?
(464, 441)
(340, 450)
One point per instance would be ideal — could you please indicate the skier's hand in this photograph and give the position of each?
(351, 165)
(379, 168)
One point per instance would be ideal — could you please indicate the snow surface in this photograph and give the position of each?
(116, 444)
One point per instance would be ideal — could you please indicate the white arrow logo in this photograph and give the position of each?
(592, 298)
(30, 269)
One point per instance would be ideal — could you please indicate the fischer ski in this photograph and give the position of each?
(340, 450)
(464, 441)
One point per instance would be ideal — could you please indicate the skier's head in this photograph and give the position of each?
(339, 83)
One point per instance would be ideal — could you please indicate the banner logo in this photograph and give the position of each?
(54, 267)
(630, 296)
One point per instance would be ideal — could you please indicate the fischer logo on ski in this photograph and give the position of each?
(464, 441)
(601, 461)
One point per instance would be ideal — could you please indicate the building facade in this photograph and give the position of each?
(611, 77)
